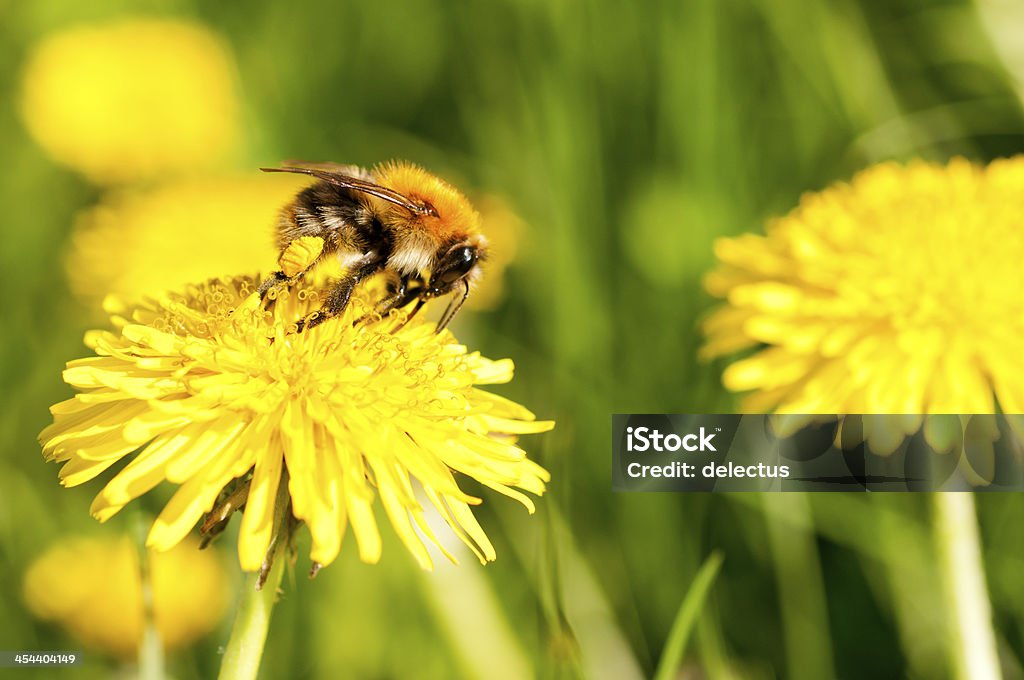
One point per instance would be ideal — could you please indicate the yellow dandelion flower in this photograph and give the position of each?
(143, 242)
(895, 293)
(91, 586)
(205, 387)
(133, 98)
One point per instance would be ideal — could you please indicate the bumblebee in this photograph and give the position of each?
(397, 218)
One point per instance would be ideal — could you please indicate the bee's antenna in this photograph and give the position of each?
(453, 308)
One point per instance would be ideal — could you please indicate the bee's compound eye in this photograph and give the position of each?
(456, 264)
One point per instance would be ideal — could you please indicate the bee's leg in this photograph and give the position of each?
(396, 295)
(401, 295)
(277, 280)
(397, 292)
(339, 296)
(415, 310)
(272, 281)
(296, 260)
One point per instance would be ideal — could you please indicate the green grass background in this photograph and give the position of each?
(628, 136)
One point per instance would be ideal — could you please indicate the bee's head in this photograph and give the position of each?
(455, 263)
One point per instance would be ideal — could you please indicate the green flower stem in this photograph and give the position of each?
(798, 574)
(245, 647)
(969, 616)
(151, 654)
(151, 648)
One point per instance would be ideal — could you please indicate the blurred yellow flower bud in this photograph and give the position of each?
(143, 242)
(91, 587)
(132, 99)
(504, 228)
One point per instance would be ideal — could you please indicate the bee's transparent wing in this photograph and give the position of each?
(356, 183)
(334, 168)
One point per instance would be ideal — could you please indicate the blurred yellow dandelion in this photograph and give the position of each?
(131, 99)
(206, 387)
(504, 230)
(896, 293)
(142, 242)
(92, 588)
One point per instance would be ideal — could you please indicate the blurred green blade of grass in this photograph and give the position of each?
(685, 620)
(481, 635)
(584, 635)
(604, 651)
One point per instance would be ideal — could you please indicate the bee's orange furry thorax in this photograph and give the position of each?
(456, 218)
